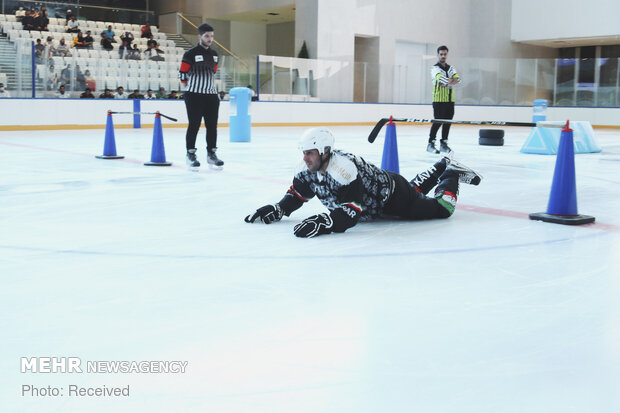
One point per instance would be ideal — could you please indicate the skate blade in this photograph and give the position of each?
(215, 167)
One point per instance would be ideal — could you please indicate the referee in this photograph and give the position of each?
(197, 72)
(444, 77)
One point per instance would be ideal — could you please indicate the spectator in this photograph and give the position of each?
(51, 78)
(161, 94)
(135, 53)
(151, 41)
(62, 94)
(149, 94)
(78, 41)
(145, 32)
(173, 95)
(127, 36)
(62, 50)
(20, 12)
(28, 21)
(88, 39)
(73, 25)
(254, 96)
(124, 50)
(79, 77)
(109, 34)
(120, 93)
(39, 50)
(87, 94)
(105, 42)
(136, 95)
(65, 76)
(3, 92)
(222, 94)
(69, 15)
(107, 94)
(89, 80)
(49, 44)
(41, 21)
(153, 53)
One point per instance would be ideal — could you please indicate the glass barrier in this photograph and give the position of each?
(485, 81)
(563, 82)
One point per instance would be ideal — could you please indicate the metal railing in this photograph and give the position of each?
(234, 56)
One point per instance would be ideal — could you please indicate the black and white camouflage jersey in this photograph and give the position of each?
(351, 188)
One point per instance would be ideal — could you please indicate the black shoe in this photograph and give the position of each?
(431, 147)
(212, 158)
(465, 173)
(443, 147)
(191, 158)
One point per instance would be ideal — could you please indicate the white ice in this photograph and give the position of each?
(484, 312)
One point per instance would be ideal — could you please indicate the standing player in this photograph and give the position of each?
(353, 189)
(197, 72)
(444, 77)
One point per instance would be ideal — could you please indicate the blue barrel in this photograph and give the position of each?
(240, 120)
(540, 110)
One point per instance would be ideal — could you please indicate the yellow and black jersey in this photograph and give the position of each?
(441, 75)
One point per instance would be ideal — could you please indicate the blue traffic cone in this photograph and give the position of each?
(158, 153)
(562, 207)
(109, 144)
(389, 162)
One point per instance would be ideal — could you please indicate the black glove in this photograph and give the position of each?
(313, 226)
(267, 214)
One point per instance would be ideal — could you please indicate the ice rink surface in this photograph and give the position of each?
(110, 260)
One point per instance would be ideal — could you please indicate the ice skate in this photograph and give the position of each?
(191, 159)
(213, 160)
(466, 174)
(431, 147)
(444, 148)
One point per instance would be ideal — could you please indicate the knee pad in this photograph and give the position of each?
(447, 201)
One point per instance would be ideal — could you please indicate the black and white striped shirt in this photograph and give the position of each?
(198, 69)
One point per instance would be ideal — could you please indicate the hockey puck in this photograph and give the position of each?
(491, 137)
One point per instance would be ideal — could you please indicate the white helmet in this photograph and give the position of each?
(321, 139)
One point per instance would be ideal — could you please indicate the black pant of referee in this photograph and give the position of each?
(201, 106)
(441, 110)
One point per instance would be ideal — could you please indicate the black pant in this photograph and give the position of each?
(441, 110)
(408, 203)
(201, 106)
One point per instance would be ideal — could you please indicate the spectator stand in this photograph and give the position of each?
(107, 68)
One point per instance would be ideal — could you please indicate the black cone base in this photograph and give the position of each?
(563, 219)
(109, 157)
(158, 163)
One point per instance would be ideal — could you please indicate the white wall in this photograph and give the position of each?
(248, 39)
(168, 23)
(281, 39)
(38, 113)
(557, 19)
(223, 7)
(490, 36)
(477, 28)
(306, 27)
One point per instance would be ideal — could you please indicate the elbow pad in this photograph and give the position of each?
(183, 72)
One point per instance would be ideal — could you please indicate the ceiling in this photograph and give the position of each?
(575, 42)
(282, 14)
